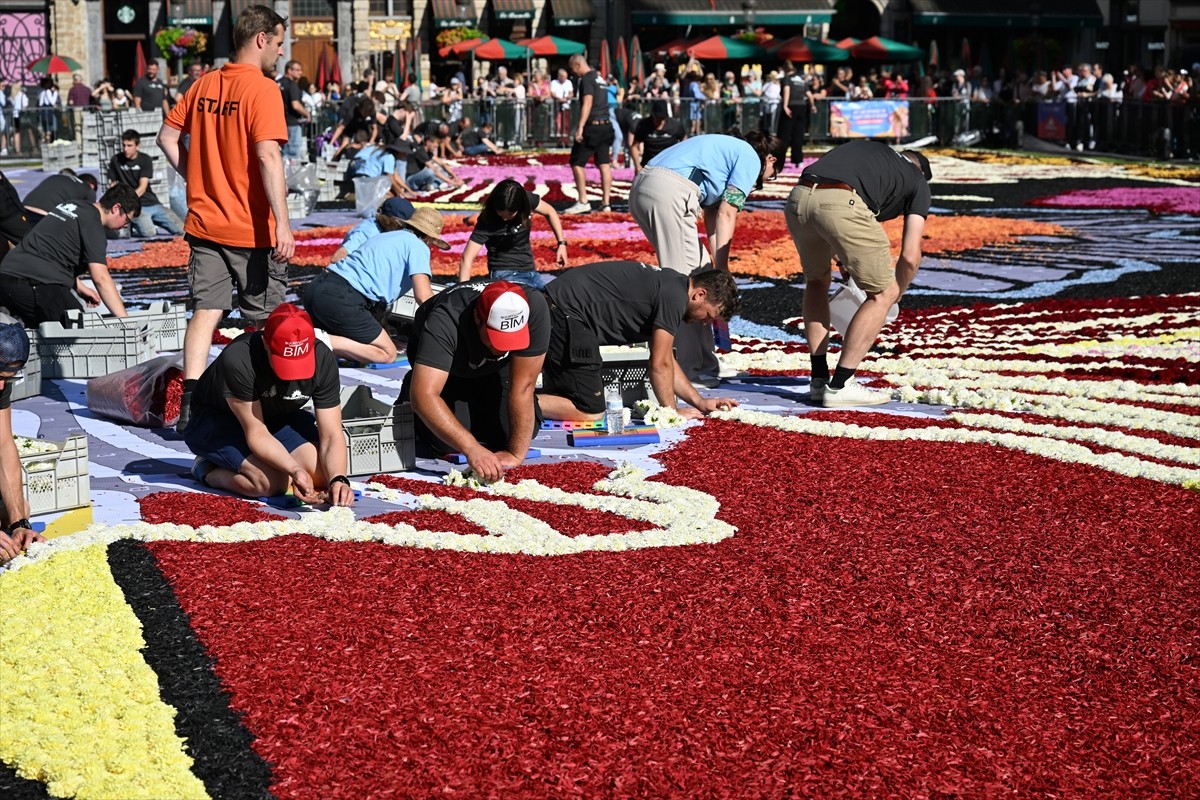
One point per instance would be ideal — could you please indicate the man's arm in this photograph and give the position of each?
(299, 108)
(107, 288)
(427, 402)
(585, 110)
(143, 185)
(662, 367)
(270, 165)
(331, 453)
(910, 251)
(636, 151)
(525, 371)
(171, 144)
(268, 449)
(12, 500)
(720, 220)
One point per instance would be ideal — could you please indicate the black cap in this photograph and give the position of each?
(659, 108)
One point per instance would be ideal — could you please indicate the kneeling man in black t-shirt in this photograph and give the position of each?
(620, 303)
(248, 428)
(476, 351)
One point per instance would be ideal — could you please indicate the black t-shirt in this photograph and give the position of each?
(446, 336)
(890, 184)
(59, 247)
(290, 92)
(152, 92)
(799, 84)
(507, 242)
(183, 86)
(418, 160)
(594, 85)
(59, 189)
(243, 372)
(428, 128)
(471, 137)
(130, 172)
(655, 141)
(623, 302)
(393, 129)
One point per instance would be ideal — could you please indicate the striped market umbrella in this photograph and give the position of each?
(322, 71)
(637, 63)
(553, 46)
(675, 47)
(879, 49)
(501, 50)
(808, 50)
(463, 47)
(622, 60)
(722, 47)
(848, 42)
(51, 64)
(139, 64)
(605, 61)
(933, 54)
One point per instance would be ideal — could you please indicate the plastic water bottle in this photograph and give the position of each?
(614, 411)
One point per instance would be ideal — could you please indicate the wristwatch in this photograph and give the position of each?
(562, 242)
(21, 523)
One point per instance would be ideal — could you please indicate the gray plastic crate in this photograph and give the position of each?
(89, 352)
(405, 307)
(379, 437)
(30, 384)
(172, 321)
(628, 370)
(58, 480)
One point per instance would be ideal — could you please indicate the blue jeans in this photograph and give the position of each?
(144, 224)
(476, 150)
(423, 180)
(526, 277)
(292, 148)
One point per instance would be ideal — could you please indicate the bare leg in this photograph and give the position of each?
(865, 326)
(555, 407)
(606, 182)
(197, 341)
(580, 183)
(816, 314)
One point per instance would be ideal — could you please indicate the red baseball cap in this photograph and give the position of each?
(290, 341)
(504, 309)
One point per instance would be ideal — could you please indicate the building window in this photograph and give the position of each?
(312, 8)
(390, 8)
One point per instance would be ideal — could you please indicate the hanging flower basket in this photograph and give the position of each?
(181, 42)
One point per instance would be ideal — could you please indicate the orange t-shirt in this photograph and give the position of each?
(227, 112)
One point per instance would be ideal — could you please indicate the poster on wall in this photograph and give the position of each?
(868, 119)
(1052, 121)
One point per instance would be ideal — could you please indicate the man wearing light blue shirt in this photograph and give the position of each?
(713, 173)
(373, 161)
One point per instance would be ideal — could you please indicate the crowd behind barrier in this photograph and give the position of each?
(1159, 129)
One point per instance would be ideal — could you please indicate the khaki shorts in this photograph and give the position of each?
(835, 222)
(215, 270)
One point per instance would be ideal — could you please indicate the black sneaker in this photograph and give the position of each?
(185, 413)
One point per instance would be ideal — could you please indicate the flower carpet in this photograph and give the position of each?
(988, 586)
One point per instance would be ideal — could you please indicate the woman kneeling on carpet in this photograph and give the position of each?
(504, 226)
(349, 301)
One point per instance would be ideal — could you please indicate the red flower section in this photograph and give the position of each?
(192, 508)
(567, 520)
(429, 521)
(892, 618)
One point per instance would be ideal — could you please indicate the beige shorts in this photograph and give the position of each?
(835, 222)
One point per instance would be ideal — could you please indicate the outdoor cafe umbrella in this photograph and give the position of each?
(722, 47)
(605, 61)
(139, 64)
(553, 46)
(675, 47)
(933, 54)
(501, 50)
(622, 62)
(847, 43)
(808, 50)
(463, 47)
(880, 49)
(51, 64)
(322, 71)
(637, 64)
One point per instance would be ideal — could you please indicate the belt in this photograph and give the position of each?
(809, 183)
(598, 121)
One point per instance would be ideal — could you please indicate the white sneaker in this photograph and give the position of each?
(578, 208)
(853, 394)
(4, 151)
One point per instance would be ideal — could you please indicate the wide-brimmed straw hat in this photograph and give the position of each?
(428, 222)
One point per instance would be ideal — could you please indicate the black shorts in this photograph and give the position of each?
(340, 309)
(35, 303)
(597, 144)
(573, 364)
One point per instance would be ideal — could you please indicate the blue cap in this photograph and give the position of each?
(14, 345)
(397, 207)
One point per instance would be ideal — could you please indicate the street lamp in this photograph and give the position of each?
(749, 8)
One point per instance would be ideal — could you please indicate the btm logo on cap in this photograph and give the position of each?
(296, 349)
(512, 322)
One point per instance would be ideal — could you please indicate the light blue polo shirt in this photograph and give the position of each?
(373, 161)
(713, 162)
(359, 234)
(382, 268)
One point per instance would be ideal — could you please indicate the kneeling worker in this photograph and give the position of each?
(620, 303)
(476, 351)
(247, 426)
(16, 533)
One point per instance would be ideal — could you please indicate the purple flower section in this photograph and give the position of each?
(1160, 200)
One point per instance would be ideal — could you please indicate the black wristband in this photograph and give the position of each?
(21, 523)
(562, 242)
(339, 479)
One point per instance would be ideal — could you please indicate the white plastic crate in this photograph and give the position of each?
(30, 384)
(88, 352)
(301, 204)
(379, 437)
(172, 321)
(405, 307)
(57, 480)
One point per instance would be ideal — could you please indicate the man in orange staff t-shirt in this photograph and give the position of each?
(237, 222)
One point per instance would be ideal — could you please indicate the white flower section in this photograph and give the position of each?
(1114, 440)
(682, 516)
(884, 363)
(1059, 451)
(918, 373)
(654, 414)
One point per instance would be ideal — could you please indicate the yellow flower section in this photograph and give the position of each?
(80, 707)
